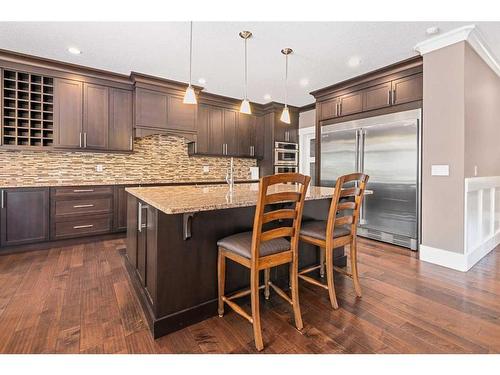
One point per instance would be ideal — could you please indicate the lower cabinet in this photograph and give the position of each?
(24, 216)
(120, 208)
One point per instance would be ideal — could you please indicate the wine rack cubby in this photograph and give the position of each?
(28, 109)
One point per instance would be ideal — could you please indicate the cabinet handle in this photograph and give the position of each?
(83, 205)
(3, 199)
(139, 221)
(83, 190)
(85, 140)
(340, 108)
(80, 139)
(223, 149)
(394, 96)
(131, 143)
(83, 226)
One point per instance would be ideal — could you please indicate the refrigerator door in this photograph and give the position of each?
(389, 155)
(339, 153)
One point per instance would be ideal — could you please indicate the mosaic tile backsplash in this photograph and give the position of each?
(157, 158)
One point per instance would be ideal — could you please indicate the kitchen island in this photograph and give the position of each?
(172, 234)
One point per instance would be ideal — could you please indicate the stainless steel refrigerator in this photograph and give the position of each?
(387, 148)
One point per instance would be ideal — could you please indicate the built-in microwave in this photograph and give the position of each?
(285, 169)
(286, 153)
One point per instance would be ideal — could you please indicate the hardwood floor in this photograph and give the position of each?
(79, 300)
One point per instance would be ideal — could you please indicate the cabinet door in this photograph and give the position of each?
(216, 131)
(407, 89)
(95, 116)
(202, 129)
(132, 225)
(68, 120)
(377, 97)
(230, 132)
(246, 130)
(351, 103)
(260, 139)
(24, 216)
(151, 109)
(181, 116)
(121, 120)
(328, 109)
(142, 241)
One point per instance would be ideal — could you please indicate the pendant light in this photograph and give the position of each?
(245, 104)
(190, 96)
(285, 115)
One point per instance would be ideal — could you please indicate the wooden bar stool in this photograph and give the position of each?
(264, 248)
(338, 230)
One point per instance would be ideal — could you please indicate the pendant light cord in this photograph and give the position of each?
(246, 71)
(286, 80)
(190, 52)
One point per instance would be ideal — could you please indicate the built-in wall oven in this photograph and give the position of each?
(285, 169)
(286, 153)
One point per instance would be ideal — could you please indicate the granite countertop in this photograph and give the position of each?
(177, 199)
(5, 184)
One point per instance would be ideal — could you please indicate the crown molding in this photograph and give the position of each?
(469, 34)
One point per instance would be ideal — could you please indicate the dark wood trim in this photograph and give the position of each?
(404, 65)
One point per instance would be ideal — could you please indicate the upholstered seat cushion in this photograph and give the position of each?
(241, 244)
(317, 229)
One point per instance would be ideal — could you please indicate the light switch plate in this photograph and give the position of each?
(99, 168)
(206, 169)
(440, 170)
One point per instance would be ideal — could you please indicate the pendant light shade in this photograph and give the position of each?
(245, 104)
(285, 115)
(190, 96)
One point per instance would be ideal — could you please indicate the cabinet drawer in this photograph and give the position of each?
(82, 191)
(102, 205)
(87, 226)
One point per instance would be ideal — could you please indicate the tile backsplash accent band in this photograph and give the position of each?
(157, 158)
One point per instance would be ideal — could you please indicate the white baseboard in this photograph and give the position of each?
(458, 261)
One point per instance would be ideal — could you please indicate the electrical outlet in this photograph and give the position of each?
(206, 169)
(99, 168)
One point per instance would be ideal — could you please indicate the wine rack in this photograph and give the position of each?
(28, 109)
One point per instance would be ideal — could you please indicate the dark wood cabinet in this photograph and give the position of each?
(350, 103)
(246, 134)
(120, 207)
(68, 113)
(95, 116)
(24, 216)
(150, 109)
(202, 129)
(216, 131)
(260, 137)
(378, 96)
(120, 120)
(181, 116)
(328, 109)
(231, 132)
(407, 89)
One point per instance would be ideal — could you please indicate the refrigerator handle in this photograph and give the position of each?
(362, 150)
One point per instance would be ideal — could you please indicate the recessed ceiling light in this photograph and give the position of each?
(202, 81)
(74, 51)
(354, 61)
(432, 30)
(304, 82)
(267, 97)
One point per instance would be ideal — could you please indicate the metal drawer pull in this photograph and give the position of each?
(83, 205)
(83, 190)
(83, 226)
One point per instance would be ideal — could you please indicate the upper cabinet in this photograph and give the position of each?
(150, 109)
(391, 86)
(246, 134)
(92, 117)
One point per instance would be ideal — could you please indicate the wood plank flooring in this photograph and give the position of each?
(79, 300)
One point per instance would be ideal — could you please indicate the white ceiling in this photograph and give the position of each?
(321, 50)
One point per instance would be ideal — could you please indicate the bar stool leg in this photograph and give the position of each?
(221, 273)
(329, 278)
(294, 282)
(322, 262)
(254, 288)
(354, 266)
(267, 272)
